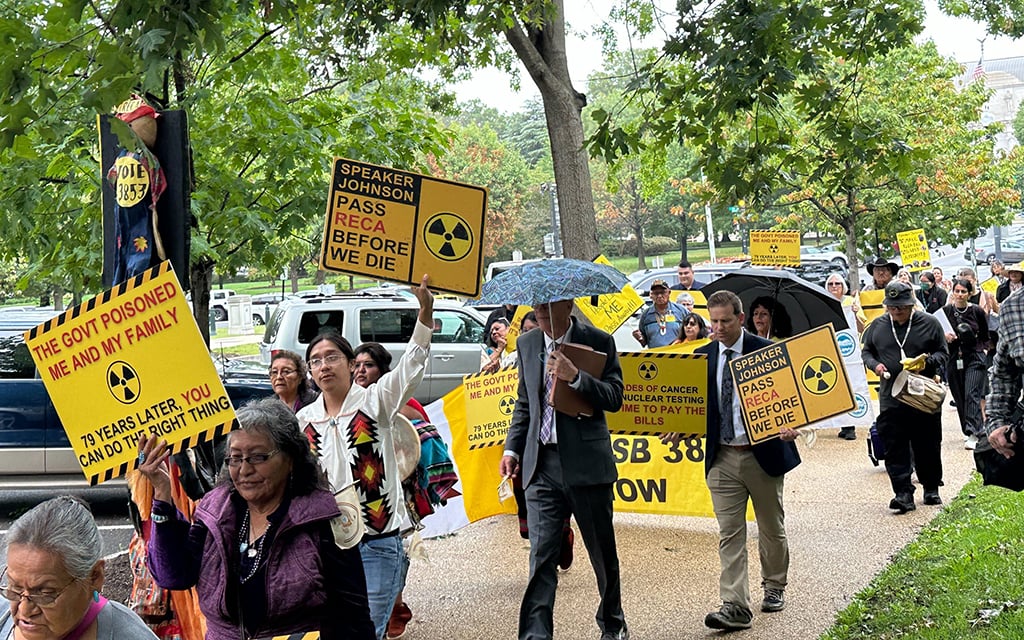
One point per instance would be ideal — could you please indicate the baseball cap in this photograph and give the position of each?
(898, 294)
(659, 284)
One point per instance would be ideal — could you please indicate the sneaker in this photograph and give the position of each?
(729, 616)
(773, 600)
(971, 443)
(565, 554)
(400, 617)
(902, 503)
(931, 497)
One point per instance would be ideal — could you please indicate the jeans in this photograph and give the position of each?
(383, 562)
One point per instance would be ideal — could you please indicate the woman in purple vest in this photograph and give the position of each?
(260, 552)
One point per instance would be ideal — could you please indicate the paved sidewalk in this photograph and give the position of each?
(840, 530)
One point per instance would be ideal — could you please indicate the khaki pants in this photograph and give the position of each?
(735, 477)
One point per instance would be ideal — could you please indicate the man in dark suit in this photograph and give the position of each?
(566, 465)
(737, 471)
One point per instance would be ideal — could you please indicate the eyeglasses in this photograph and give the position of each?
(333, 359)
(253, 458)
(835, 284)
(274, 373)
(38, 599)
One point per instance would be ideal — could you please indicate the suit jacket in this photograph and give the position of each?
(584, 444)
(775, 456)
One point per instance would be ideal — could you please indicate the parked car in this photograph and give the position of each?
(387, 319)
(985, 251)
(264, 305)
(706, 273)
(837, 257)
(34, 449)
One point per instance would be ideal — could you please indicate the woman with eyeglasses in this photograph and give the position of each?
(836, 285)
(260, 550)
(54, 576)
(351, 429)
(694, 328)
(288, 378)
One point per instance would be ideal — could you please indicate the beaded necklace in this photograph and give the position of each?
(252, 550)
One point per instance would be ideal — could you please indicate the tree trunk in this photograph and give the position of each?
(850, 231)
(641, 252)
(201, 277)
(542, 51)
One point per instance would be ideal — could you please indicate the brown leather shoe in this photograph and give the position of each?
(400, 617)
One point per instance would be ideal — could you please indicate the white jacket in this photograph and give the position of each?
(358, 443)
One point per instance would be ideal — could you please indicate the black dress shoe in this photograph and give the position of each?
(848, 433)
(932, 497)
(621, 634)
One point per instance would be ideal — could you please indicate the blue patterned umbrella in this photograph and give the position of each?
(542, 281)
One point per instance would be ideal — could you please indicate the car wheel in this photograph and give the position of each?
(257, 320)
(989, 258)
(220, 314)
(839, 262)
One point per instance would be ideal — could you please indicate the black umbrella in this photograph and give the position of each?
(809, 306)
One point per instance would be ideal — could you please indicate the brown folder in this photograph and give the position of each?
(566, 399)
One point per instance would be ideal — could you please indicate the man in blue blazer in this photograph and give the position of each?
(737, 471)
(566, 465)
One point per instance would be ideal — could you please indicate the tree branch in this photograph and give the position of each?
(256, 43)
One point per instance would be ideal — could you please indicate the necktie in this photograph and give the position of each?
(547, 419)
(725, 393)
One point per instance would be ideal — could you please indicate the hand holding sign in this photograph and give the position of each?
(153, 457)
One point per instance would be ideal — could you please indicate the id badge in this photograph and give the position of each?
(959, 364)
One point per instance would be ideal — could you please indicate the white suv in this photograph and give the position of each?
(388, 319)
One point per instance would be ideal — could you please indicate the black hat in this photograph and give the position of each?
(880, 262)
(898, 294)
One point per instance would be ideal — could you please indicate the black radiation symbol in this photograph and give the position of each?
(123, 382)
(648, 370)
(819, 375)
(448, 237)
(506, 405)
(774, 248)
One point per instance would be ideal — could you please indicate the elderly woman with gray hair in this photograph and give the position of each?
(53, 579)
(261, 551)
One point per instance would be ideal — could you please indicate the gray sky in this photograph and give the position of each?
(956, 38)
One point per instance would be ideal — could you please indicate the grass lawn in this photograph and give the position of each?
(962, 578)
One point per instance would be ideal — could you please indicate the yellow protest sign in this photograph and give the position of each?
(700, 303)
(775, 248)
(477, 444)
(302, 635)
(871, 303)
(396, 225)
(610, 310)
(654, 477)
(990, 285)
(491, 396)
(663, 392)
(914, 251)
(515, 327)
(792, 383)
(126, 363)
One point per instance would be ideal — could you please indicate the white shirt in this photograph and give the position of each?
(737, 415)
